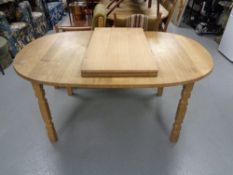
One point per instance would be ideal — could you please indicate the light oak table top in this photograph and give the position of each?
(56, 60)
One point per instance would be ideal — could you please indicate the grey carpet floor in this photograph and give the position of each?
(120, 132)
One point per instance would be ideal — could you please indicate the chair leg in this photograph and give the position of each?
(1, 69)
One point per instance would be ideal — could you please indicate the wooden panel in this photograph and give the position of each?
(56, 60)
(119, 52)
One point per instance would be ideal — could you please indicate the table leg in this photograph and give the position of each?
(69, 91)
(181, 110)
(68, 8)
(1, 69)
(149, 3)
(160, 91)
(45, 111)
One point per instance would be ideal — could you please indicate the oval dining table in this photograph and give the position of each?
(56, 59)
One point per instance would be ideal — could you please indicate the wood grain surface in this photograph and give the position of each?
(119, 52)
(56, 60)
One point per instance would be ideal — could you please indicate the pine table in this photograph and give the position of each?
(56, 60)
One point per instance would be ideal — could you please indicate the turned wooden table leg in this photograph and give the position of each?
(160, 91)
(2, 70)
(181, 110)
(45, 111)
(69, 91)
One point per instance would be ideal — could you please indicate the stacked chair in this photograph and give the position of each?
(22, 22)
(14, 27)
(5, 57)
(42, 6)
(52, 9)
(99, 20)
(56, 10)
(36, 20)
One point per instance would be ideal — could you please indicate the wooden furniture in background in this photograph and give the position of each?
(179, 11)
(112, 5)
(148, 24)
(130, 7)
(116, 3)
(81, 17)
(118, 52)
(60, 28)
(78, 10)
(181, 61)
(169, 5)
